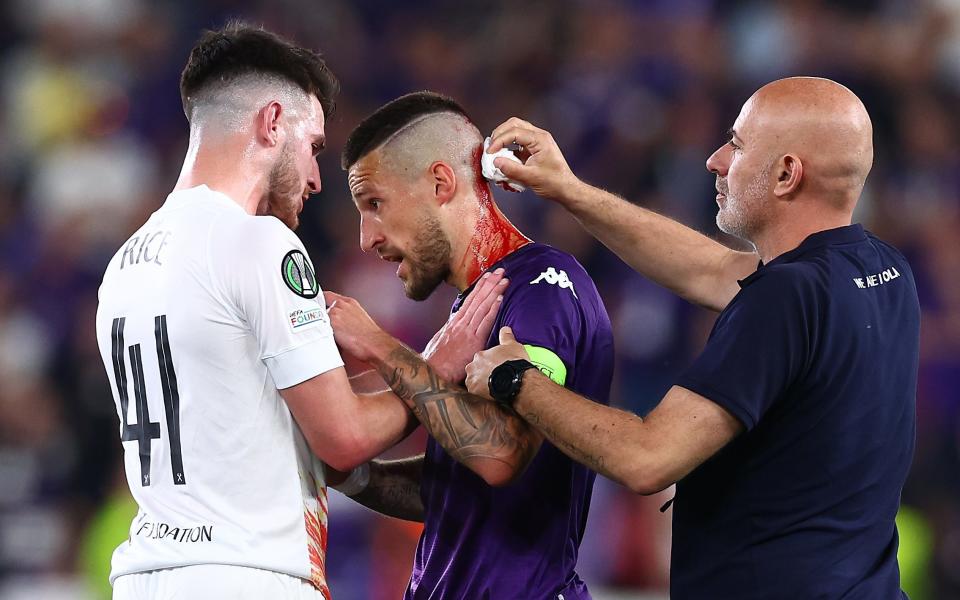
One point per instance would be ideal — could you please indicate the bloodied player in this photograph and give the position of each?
(503, 511)
(226, 377)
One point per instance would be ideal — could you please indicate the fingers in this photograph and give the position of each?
(506, 336)
(488, 282)
(529, 137)
(487, 309)
(511, 169)
(513, 123)
(485, 324)
(331, 298)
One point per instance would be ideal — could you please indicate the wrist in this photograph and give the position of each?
(525, 402)
(441, 367)
(573, 194)
(376, 347)
(506, 381)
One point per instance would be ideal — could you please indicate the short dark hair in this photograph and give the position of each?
(240, 49)
(391, 118)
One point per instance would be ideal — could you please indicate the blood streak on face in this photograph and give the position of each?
(494, 236)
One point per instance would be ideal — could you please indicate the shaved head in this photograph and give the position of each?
(449, 137)
(823, 124)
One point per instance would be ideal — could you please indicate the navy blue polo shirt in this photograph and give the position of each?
(817, 356)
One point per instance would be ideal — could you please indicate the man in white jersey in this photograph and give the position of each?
(229, 387)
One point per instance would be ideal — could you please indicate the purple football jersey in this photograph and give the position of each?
(520, 540)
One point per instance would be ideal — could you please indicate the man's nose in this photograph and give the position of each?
(370, 235)
(313, 180)
(718, 162)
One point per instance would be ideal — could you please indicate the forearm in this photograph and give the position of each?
(606, 440)
(480, 434)
(690, 264)
(394, 489)
(367, 382)
(385, 419)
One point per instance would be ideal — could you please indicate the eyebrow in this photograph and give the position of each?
(733, 134)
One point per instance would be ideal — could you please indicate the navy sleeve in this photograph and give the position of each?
(545, 311)
(760, 344)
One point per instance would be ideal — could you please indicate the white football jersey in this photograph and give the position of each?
(205, 312)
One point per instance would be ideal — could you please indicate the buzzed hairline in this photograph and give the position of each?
(409, 127)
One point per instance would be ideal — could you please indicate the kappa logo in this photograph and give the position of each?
(298, 274)
(553, 277)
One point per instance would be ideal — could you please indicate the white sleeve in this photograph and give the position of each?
(274, 287)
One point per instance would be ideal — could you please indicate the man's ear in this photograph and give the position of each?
(268, 124)
(444, 182)
(789, 172)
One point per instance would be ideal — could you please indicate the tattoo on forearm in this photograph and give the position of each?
(394, 489)
(594, 461)
(466, 426)
(396, 499)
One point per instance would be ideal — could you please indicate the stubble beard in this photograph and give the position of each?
(429, 260)
(742, 213)
(283, 190)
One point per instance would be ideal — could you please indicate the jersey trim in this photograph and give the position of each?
(303, 362)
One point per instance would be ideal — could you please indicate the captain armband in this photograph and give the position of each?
(548, 363)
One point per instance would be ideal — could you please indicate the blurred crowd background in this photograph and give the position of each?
(637, 93)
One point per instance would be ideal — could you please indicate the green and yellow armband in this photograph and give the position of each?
(548, 363)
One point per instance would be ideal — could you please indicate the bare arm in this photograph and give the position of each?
(345, 429)
(367, 382)
(690, 264)
(645, 455)
(492, 442)
(394, 488)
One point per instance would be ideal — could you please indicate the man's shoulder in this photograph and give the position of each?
(790, 284)
(546, 282)
(541, 260)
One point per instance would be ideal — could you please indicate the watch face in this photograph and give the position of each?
(502, 380)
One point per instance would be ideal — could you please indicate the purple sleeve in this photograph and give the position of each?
(546, 314)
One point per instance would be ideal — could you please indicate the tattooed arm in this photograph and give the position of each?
(394, 488)
(494, 443)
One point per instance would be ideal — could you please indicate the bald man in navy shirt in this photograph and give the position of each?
(791, 435)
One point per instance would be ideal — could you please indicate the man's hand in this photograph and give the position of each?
(355, 332)
(468, 329)
(544, 169)
(478, 372)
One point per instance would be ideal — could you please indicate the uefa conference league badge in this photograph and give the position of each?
(298, 275)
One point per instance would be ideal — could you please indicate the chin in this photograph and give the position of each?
(419, 290)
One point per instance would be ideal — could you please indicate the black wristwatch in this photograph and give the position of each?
(506, 379)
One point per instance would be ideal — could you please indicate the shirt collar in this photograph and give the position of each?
(178, 196)
(829, 237)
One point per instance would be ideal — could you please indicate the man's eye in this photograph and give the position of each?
(733, 145)
(315, 148)
(374, 204)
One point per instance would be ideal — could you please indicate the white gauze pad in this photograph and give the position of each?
(492, 173)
